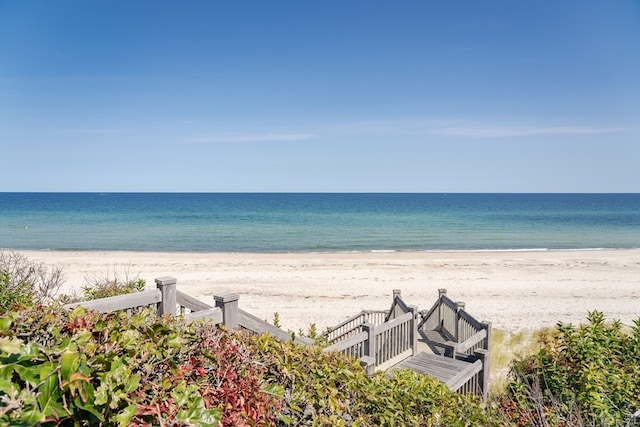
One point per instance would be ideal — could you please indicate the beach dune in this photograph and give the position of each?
(515, 290)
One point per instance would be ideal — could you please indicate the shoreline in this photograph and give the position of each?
(327, 252)
(514, 289)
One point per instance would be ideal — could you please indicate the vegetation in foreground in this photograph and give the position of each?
(586, 375)
(82, 368)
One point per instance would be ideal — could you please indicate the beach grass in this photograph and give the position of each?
(505, 348)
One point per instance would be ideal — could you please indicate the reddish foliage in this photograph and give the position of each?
(78, 323)
(234, 382)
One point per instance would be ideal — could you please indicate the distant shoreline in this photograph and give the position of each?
(370, 251)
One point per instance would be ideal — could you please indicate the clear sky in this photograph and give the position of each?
(332, 95)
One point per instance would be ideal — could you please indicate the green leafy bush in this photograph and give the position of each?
(97, 287)
(589, 375)
(13, 294)
(410, 399)
(329, 389)
(79, 368)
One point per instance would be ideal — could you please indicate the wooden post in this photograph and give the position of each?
(459, 306)
(486, 362)
(414, 329)
(449, 350)
(483, 376)
(167, 286)
(394, 305)
(370, 345)
(228, 303)
(489, 328)
(441, 293)
(369, 364)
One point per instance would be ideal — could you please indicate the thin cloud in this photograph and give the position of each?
(504, 132)
(460, 127)
(268, 137)
(97, 131)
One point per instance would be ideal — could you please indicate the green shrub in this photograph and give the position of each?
(329, 389)
(79, 368)
(13, 294)
(585, 375)
(97, 287)
(319, 388)
(410, 399)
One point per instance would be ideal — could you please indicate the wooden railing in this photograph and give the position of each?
(130, 302)
(398, 306)
(381, 346)
(459, 331)
(449, 326)
(393, 341)
(379, 338)
(354, 346)
(166, 299)
(353, 325)
(473, 382)
(192, 308)
(249, 322)
(478, 380)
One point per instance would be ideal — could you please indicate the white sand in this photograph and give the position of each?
(513, 290)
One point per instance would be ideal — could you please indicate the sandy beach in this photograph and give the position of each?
(520, 290)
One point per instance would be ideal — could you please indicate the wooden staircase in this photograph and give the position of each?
(444, 342)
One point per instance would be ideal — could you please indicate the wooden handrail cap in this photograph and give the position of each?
(166, 280)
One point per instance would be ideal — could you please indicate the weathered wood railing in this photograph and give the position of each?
(379, 338)
(192, 308)
(398, 306)
(353, 325)
(393, 341)
(130, 302)
(249, 322)
(456, 331)
(448, 326)
(381, 346)
(168, 300)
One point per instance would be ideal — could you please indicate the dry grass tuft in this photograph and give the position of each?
(507, 346)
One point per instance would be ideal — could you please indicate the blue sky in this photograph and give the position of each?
(373, 96)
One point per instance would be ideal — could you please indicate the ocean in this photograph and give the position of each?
(312, 222)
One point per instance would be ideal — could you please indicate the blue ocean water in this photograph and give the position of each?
(272, 222)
